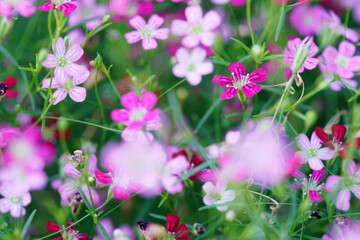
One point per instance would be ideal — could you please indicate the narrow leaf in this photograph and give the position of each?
(85, 199)
(106, 236)
(27, 224)
(242, 45)
(281, 22)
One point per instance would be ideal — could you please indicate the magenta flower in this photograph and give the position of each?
(147, 32)
(192, 65)
(66, 6)
(300, 54)
(306, 18)
(217, 194)
(343, 186)
(342, 62)
(16, 197)
(24, 8)
(87, 10)
(138, 116)
(312, 152)
(310, 186)
(196, 29)
(76, 93)
(240, 80)
(63, 61)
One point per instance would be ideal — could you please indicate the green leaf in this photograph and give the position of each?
(271, 57)
(88, 205)
(157, 216)
(242, 45)
(102, 229)
(207, 115)
(27, 224)
(281, 22)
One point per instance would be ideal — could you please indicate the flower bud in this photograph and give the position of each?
(256, 50)
(105, 19)
(66, 40)
(92, 181)
(302, 53)
(230, 216)
(310, 118)
(62, 124)
(42, 54)
(198, 229)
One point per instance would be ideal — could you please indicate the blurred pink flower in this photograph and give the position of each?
(171, 172)
(192, 65)
(76, 93)
(63, 61)
(342, 62)
(343, 186)
(312, 152)
(310, 186)
(343, 229)
(333, 21)
(234, 3)
(138, 116)
(196, 29)
(240, 80)
(147, 32)
(16, 197)
(217, 194)
(128, 8)
(66, 6)
(86, 10)
(300, 54)
(124, 232)
(24, 8)
(7, 134)
(307, 19)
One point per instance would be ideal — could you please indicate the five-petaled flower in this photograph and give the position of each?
(240, 80)
(147, 32)
(16, 197)
(311, 186)
(181, 233)
(66, 6)
(312, 152)
(218, 195)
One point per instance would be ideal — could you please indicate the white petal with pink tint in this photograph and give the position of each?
(303, 142)
(59, 95)
(137, 22)
(78, 94)
(315, 164)
(343, 200)
(149, 43)
(155, 21)
(74, 53)
(132, 37)
(193, 14)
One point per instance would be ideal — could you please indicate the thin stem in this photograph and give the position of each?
(177, 84)
(248, 16)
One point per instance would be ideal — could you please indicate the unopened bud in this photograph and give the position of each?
(310, 118)
(42, 54)
(105, 19)
(66, 40)
(92, 181)
(256, 50)
(302, 53)
(78, 154)
(230, 216)
(5, 26)
(198, 229)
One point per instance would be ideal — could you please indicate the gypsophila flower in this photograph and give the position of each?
(65, 6)
(218, 195)
(16, 197)
(310, 186)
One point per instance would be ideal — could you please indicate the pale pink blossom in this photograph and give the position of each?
(129, 8)
(342, 62)
(66, 6)
(217, 195)
(311, 151)
(301, 54)
(192, 65)
(171, 174)
(343, 229)
(138, 116)
(70, 86)
(16, 197)
(343, 186)
(240, 80)
(24, 8)
(7, 134)
(306, 18)
(197, 28)
(310, 186)
(147, 32)
(63, 60)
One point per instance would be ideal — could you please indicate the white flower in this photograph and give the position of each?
(16, 197)
(217, 195)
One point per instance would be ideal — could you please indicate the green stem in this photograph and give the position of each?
(283, 95)
(177, 84)
(235, 22)
(248, 16)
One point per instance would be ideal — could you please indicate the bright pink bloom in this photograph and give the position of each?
(192, 65)
(63, 61)
(310, 186)
(147, 32)
(172, 223)
(240, 80)
(307, 19)
(138, 116)
(297, 49)
(171, 174)
(134, 168)
(16, 197)
(24, 8)
(88, 9)
(343, 186)
(312, 152)
(196, 29)
(70, 233)
(7, 134)
(128, 8)
(66, 6)
(342, 62)
(217, 194)
(76, 93)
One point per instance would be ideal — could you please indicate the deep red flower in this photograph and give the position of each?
(172, 222)
(70, 233)
(11, 83)
(195, 161)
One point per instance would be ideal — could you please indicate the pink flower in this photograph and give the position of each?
(196, 29)
(88, 9)
(25, 8)
(147, 32)
(343, 229)
(312, 152)
(305, 19)
(66, 6)
(134, 167)
(310, 186)
(240, 80)
(235, 3)
(172, 170)
(138, 116)
(7, 134)
(16, 197)
(342, 62)
(76, 93)
(343, 186)
(300, 54)
(63, 61)
(333, 21)
(192, 65)
(217, 194)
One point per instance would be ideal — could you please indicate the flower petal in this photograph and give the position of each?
(222, 80)
(347, 49)
(211, 20)
(315, 196)
(132, 37)
(74, 53)
(149, 43)
(326, 153)
(120, 116)
(50, 61)
(343, 200)
(259, 75)
(71, 171)
(318, 176)
(332, 183)
(120, 193)
(315, 141)
(103, 178)
(59, 95)
(315, 164)
(162, 33)
(172, 221)
(155, 21)
(193, 14)
(78, 94)
(182, 233)
(52, 227)
(237, 70)
(137, 22)
(148, 100)
(250, 90)
(60, 47)
(179, 27)
(324, 137)
(130, 101)
(338, 132)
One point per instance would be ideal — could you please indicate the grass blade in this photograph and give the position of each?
(27, 224)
